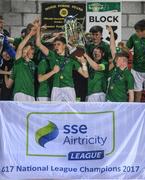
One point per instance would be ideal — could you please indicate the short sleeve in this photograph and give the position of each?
(130, 81)
(42, 67)
(52, 58)
(76, 64)
(129, 43)
(13, 73)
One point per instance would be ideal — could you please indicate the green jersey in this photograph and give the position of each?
(97, 81)
(139, 52)
(43, 68)
(23, 76)
(105, 46)
(121, 81)
(17, 41)
(64, 77)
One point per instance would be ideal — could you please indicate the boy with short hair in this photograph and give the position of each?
(63, 86)
(23, 71)
(137, 42)
(97, 81)
(121, 82)
(97, 41)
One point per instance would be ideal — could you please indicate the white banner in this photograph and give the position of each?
(103, 13)
(72, 141)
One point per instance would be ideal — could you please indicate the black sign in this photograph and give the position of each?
(53, 14)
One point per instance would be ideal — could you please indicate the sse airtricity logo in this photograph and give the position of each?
(74, 135)
(46, 134)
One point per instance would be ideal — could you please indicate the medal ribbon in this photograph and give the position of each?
(62, 65)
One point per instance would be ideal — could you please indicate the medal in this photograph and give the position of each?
(61, 77)
(111, 87)
(62, 66)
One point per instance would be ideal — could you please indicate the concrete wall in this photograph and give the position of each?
(131, 13)
(17, 14)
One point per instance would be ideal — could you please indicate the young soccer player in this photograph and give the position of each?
(97, 40)
(121, 84)
(120, 80)
(97, 82)
(137, 42)
(44, 74)
(63, 86)
(23, 71)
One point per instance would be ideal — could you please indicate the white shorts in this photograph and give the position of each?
(139, 78)
(23, 97)
(66, 94)
(97, 97)
(43, 99)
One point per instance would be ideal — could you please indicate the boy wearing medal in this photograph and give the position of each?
(97, 82)
(121, 84)
(63, 86)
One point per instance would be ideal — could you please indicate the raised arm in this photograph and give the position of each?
(55, 35)
(43, 48)
(112, 41)
(24, 42)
